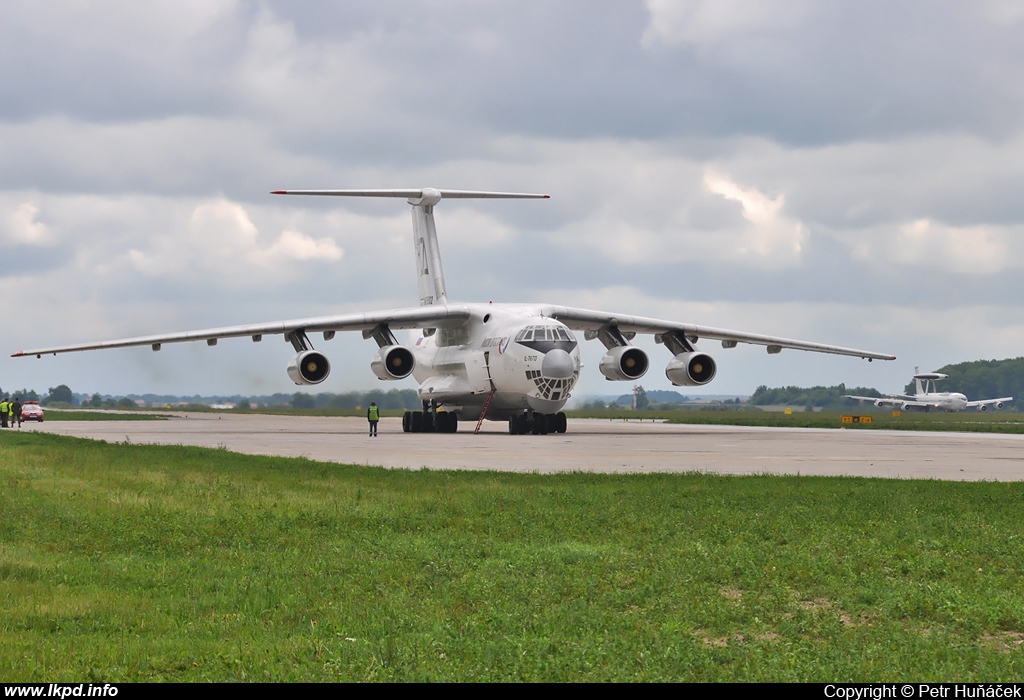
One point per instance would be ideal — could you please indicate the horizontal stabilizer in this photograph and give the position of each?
(429, 194)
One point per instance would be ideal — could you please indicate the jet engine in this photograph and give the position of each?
(691, 369)
(906, 407)
(309, 367)
(393, 362)
(623, 363)
(879, 403)
(996, 405)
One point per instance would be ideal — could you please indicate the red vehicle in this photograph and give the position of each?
(31, 410)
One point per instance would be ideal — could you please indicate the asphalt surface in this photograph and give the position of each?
(588, 445)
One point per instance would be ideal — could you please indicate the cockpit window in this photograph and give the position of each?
(545, 338)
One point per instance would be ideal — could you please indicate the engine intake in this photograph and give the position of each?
(309, 367)
(624, 363)
(393, 362)
(691, 369)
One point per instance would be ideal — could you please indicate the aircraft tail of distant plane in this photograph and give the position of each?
(429, 273)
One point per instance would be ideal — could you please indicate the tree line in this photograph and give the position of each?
(394, 399)
(813, 397)
(23, 394)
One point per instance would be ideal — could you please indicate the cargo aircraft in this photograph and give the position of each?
(510, 362)
(928, 399)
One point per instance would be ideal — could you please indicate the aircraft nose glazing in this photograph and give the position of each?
(557, 364)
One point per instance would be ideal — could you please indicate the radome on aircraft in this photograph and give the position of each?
(514, 362)
(928, 399)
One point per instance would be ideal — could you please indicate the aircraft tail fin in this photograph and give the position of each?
(429, 273)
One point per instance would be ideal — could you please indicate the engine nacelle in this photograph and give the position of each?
(879, 403)
(691, 369)
(624, 363)
(906, 407)
(997, 404)
(983, 407)
(309, 367)
(393, 362)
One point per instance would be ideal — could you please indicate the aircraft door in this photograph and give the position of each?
(478, 371)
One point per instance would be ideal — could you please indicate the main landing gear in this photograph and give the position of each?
(429, 420)
(536, 423)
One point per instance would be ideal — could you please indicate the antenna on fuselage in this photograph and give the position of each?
(429, 273)
(930, 380)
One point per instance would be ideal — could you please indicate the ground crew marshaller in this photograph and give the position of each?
(5, 408)
(373, 415)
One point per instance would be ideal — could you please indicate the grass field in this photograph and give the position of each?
(129, 562)
(68, 415)
(974, 422)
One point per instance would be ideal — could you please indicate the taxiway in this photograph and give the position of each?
(589, 445)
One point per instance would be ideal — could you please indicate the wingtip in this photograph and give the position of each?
(18, 354)
(279, 192)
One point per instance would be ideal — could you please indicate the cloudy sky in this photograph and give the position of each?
(849, 173)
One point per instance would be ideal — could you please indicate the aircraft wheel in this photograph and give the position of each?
(407, 422)
(415, 422)
(560, 422)
(429, 422)
(544, 423)
(513, 426)
(534, 423)
(447, 422)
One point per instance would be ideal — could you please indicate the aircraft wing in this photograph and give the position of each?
(586, 320)
(413, 317)
(883, 400)
(988, 402)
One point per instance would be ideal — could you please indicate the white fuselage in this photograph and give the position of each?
(929, 399)
(530, 362)
(943, 400)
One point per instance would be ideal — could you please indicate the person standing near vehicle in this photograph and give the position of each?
(373, 415)
(16, 411)
(5, 408)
